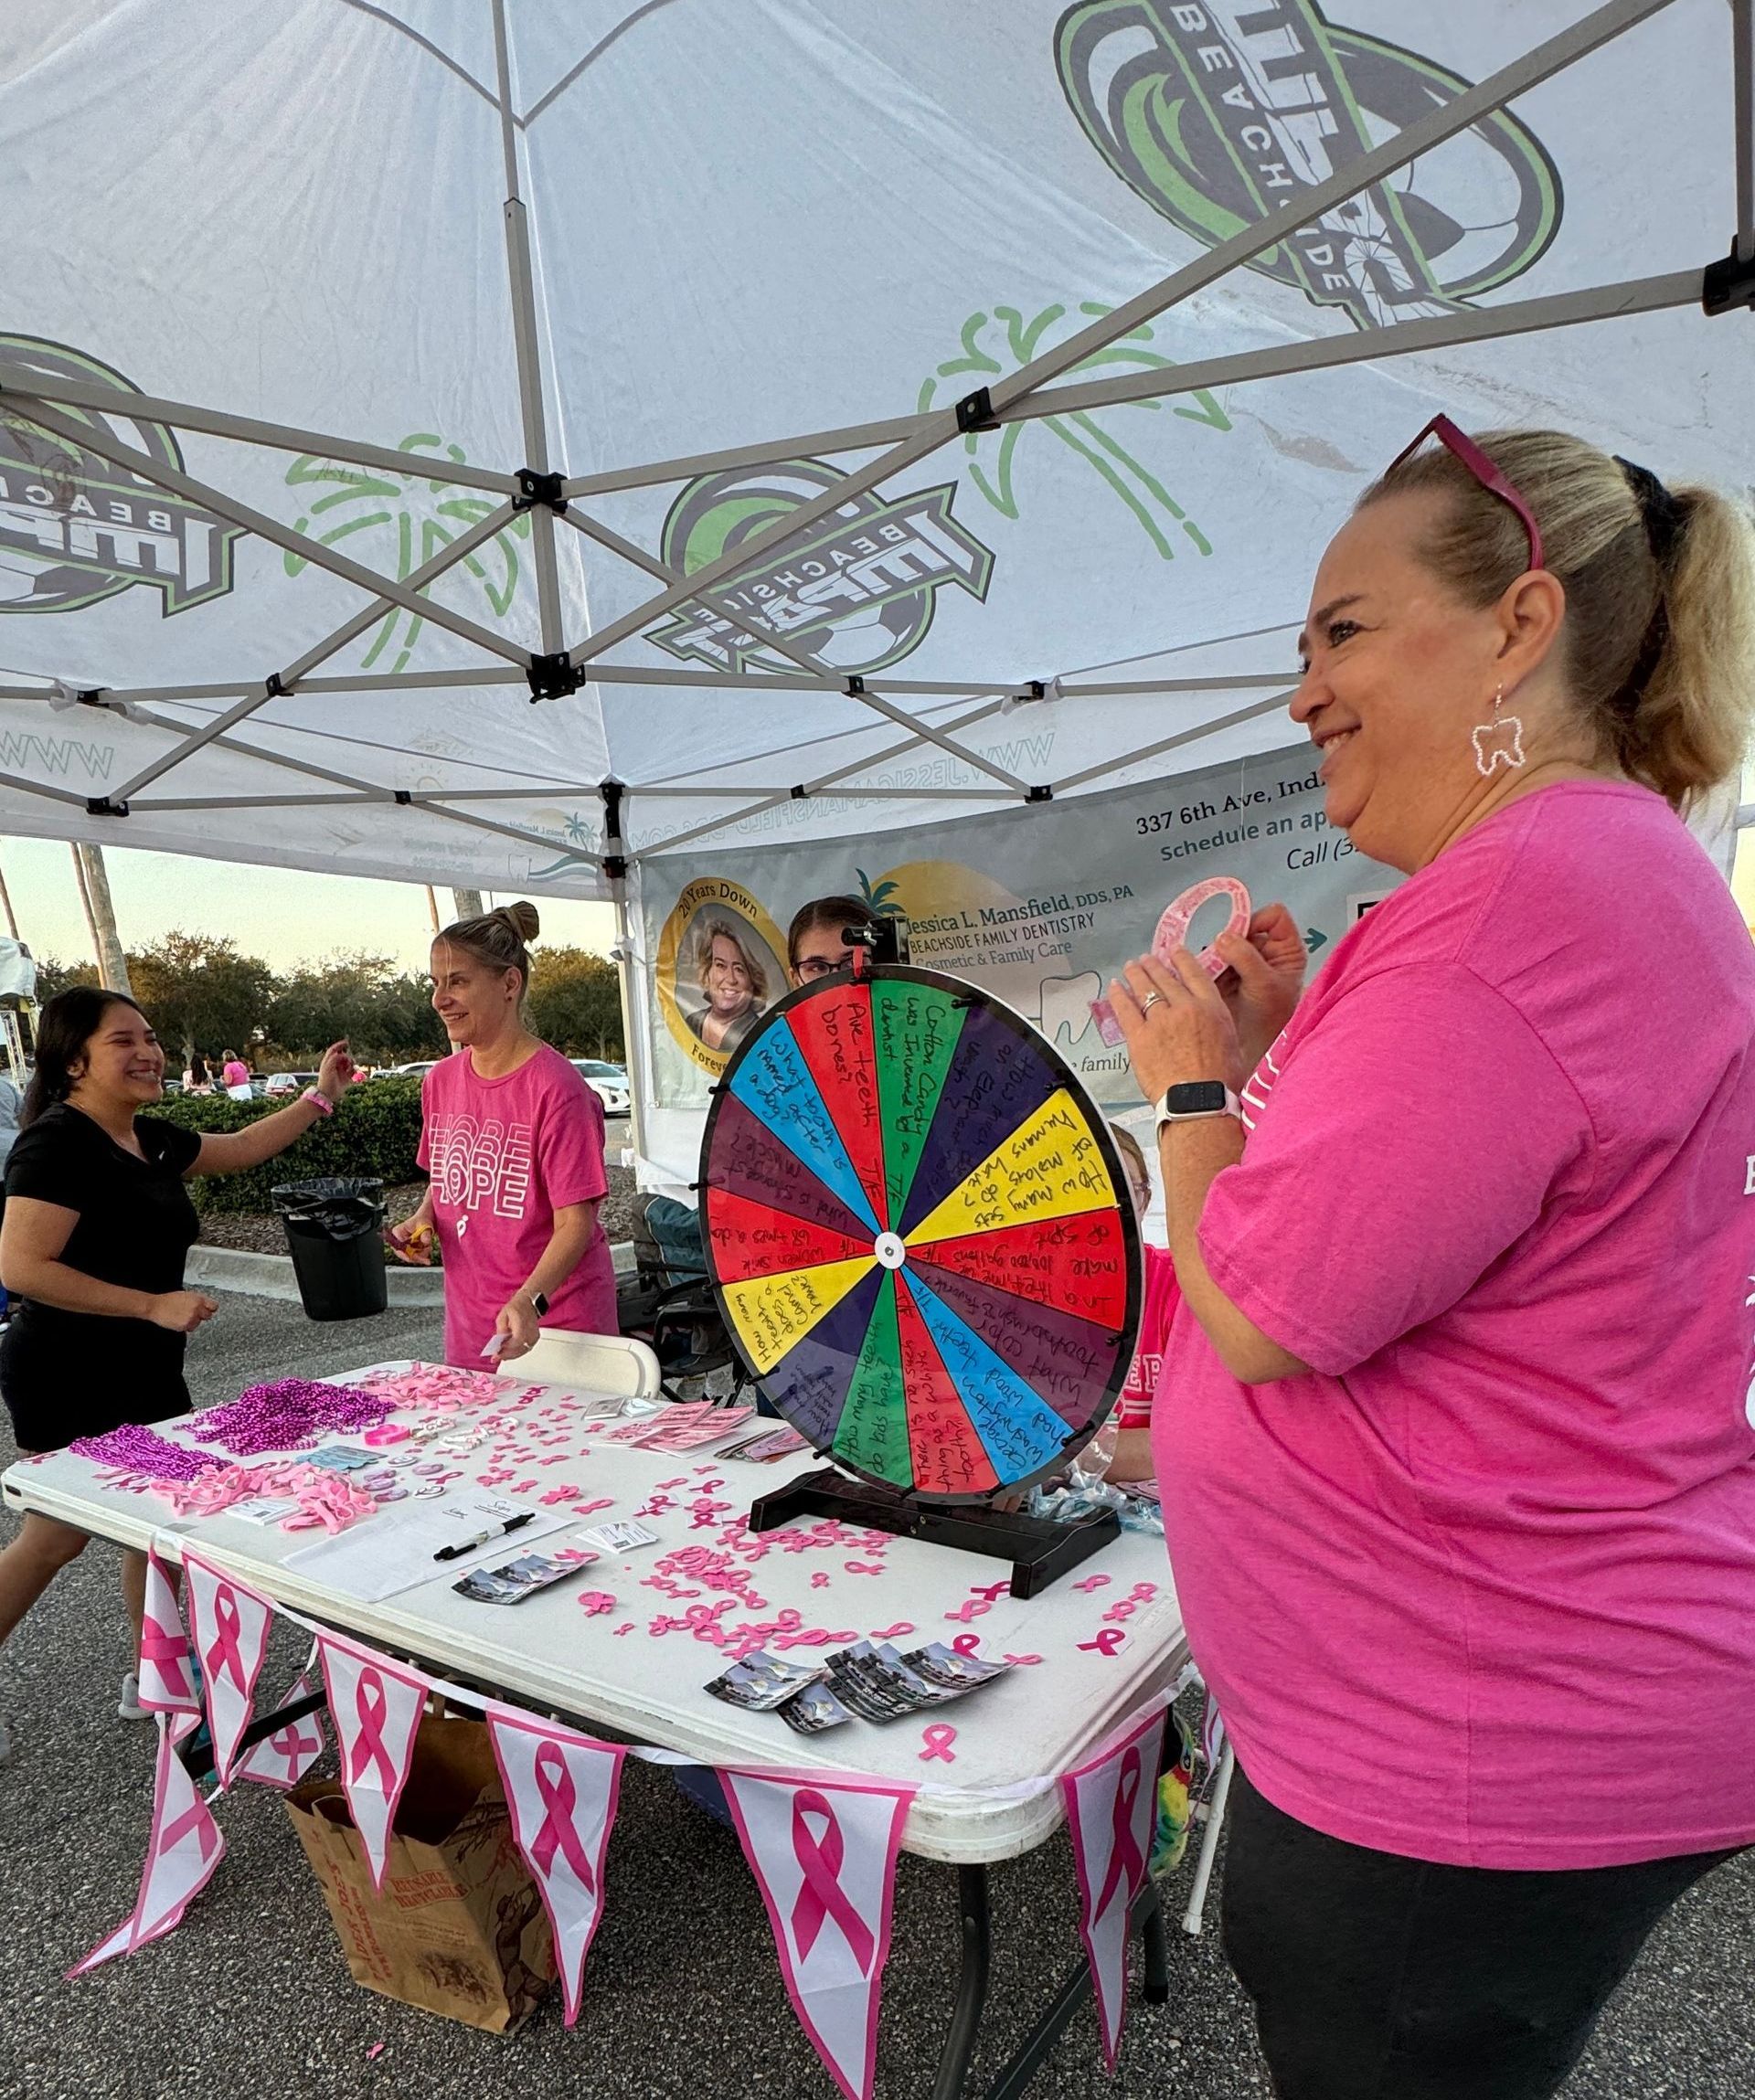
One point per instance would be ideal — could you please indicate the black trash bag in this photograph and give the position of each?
(334, 1230)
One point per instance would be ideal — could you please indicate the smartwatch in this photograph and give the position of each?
(1197, 1099)
(538, 1303)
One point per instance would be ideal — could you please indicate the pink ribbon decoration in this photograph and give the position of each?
(168, 1653)
(1126, 1868)
(1110, 1641)
(559, 1833)
(166, 1681)
(967, 1644)
(938, 1739)
(373, 1709)
(894, 1632)
(993, 1591)
(1092, 1583)
(1023, 1659)
(975, 1607)
(1111, 1802)
(822, 1896)
(223, 1655)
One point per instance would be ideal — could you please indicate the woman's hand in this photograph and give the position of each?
(1177, 1026)
(182, 1311)
(1265, 977)
(517, 1322)
(336, 1073)
(411, 1241)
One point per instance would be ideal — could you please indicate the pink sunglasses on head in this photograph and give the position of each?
(1481, 467)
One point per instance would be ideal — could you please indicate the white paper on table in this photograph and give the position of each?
(395, 1550)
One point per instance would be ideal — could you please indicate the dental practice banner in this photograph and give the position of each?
(1042, 914)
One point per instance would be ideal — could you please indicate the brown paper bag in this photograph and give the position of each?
(458, 1929)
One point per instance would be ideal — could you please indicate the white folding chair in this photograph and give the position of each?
(599, 1363)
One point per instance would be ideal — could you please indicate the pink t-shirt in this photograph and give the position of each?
(1482, 1589)
(505, 1155)
(1159, 1309)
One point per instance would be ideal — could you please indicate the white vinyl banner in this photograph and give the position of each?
(283, 1758)
(375, 1709)
(231, 1624)
(823, 1855)
(561, 1790)
(166, 1681)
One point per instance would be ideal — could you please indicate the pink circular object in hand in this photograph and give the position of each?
(1178, 916)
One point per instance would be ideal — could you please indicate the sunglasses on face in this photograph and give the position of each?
(1464, 447)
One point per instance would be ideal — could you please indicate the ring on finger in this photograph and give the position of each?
(1151, 1000)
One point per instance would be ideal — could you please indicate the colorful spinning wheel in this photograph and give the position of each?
(919, 1234)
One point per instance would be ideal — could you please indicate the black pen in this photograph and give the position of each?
(469, 1546)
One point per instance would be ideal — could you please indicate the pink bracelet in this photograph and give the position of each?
(318, 1099)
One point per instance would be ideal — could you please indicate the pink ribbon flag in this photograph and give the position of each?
(229, 1622)
(166, 1681)
(561, 1790)
(375, 1709)
(182, 1853)
(823, 1855)
(283, 1758)
(1111, 1804)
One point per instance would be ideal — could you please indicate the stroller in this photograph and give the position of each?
(669, 1304)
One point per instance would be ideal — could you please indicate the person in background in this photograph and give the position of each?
(195, 1079)
(1463, 1498)
(815, 942)
(1131, 1460)
(234, 1077)
(732, 981)
(512, 1140)
(96, 1230)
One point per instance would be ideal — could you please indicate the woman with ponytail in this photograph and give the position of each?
(1463, 1505)
(513, 1144)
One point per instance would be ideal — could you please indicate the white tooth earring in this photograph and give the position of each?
(1499, 741)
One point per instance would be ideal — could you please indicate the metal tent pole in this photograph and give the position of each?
(1742, 60)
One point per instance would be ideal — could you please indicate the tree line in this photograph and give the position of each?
(202, 994)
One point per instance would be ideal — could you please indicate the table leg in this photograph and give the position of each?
(1194, 1916)
(1154, 1947)
(972, 1983)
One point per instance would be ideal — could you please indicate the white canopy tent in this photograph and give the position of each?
(435, 435)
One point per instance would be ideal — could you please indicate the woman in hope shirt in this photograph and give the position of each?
(1463, 1496)
(512, 1142)
(97, 1226)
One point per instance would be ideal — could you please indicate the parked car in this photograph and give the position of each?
(608, 1082)
(283, 1083)
(418, 1070)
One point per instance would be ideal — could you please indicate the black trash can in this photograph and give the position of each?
(335, 1230)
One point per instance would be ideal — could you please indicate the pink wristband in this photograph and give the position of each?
(318, 1099)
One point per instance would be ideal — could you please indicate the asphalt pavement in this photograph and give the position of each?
(682, 1998)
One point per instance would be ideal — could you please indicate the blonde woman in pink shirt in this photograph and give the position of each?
(1463, 1510)
(513, 1144)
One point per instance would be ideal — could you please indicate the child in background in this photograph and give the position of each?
(1133, 1459)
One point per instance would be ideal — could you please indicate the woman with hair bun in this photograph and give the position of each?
(1463, 1504)
(513, 1144)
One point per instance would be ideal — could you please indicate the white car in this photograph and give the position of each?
(608, 1082)
(283, 1083)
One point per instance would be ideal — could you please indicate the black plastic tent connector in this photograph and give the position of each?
(553, 677)
(1724, 286)
(975, 411)
(801, 793)
(403, 797)
(101, 806)
(273, 688)
(534, 488)
(1041, 792)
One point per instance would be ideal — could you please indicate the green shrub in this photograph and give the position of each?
(374, 1131)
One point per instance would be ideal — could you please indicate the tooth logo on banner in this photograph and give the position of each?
(184, 1848)
(1111, 1805)
(231, 1624)
(561, 1790)
(855, 591)
(823, 1855)
(375, 1709)
(74, 528)
(1217, 113)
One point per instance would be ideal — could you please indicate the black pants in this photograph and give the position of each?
(1379, 1978)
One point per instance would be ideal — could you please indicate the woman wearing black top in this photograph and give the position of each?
(97, 1226)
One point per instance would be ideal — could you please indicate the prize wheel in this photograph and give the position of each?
(919, 1234)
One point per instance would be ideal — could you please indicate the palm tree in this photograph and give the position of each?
(1148, 501)
(418, 516)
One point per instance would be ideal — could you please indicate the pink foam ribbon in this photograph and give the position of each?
(1124, 1852)
(938, 1739)
(227, 1626)
(1023, 1659)
(1108, 1641)
(373, 1710)
(1092, 1583)
(822, 1896)
(992, 1592)
(894, 1632)
(862, 1569)
(967, 1644)
(973, 1609)
(559, 1833)
(596, 1600)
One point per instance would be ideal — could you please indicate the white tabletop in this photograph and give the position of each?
(1038, 1720)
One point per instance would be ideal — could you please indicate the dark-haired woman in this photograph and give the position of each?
(512, 1138)
(817, 940)
(97, 1228)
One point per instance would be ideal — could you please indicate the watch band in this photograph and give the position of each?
(1197, 1101)
(539, 1303)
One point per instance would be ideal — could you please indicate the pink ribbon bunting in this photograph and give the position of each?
(225, 1656)
(559, 1832)
(168, 1653)
(1126, 1868)
(822, 1896)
